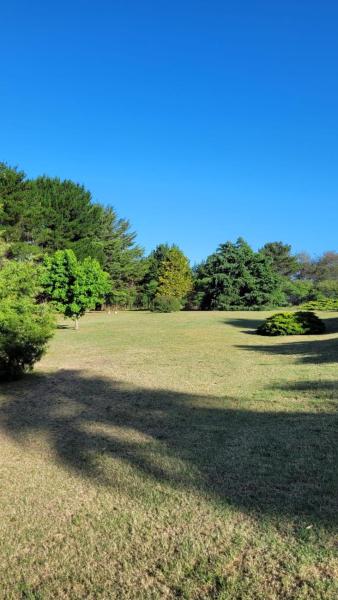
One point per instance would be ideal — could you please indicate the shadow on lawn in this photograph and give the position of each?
(269, 462)
(318, 351)
(247, 325)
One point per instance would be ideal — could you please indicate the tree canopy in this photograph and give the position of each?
(237, 277)
(72, 286)
(168, 275)
(43, 215)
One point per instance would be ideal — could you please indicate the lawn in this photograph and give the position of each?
(172, 456)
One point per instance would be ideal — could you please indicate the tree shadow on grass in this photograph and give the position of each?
(248, 326)
(273, 463)
(309, 351)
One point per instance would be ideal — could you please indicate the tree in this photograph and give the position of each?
(306, 266)
(25, 325)
(122, 257)
(20, 280)
(281, 258)
(236, 277)
(72, 286)
(298, 291)
(150, 280)
(174, 275)
(43, 215)
(328, 288)
(327, 266)
(168, 275)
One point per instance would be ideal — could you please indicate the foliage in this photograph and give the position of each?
(292, 323)
(281, 258)
(150, 279)
(174, 275)
(168, 274)
(20, 280)
(166, 304)
(25, 328)
(72, 286)
(236, 277)
(323, 268)
(328, 288)
(322, 304)
(43, 215)
(297, 291)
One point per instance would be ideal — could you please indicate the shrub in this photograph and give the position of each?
(25, 328)
(166, 304)
(292, 323)
(321, 304)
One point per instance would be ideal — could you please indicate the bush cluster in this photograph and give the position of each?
(25, 328)
(321, 304)
(292, 323)
(166, 304)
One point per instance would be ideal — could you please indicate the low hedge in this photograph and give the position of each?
(292, 323)
(321, 304)
(166, 304)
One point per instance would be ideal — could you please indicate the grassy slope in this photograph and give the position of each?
(166, 456)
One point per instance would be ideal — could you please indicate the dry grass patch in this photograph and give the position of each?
(167, 456)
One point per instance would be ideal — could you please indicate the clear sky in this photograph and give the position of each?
(200, 121)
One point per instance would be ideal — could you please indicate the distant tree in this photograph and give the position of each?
(168, 275)
(174, 275)
(327, 266)
(306, 266)
(46, 214)
(328, 288)
(236, 277)
(122, 257)
(281, 258)
(298, 291)
(150, 281)
(74, 287)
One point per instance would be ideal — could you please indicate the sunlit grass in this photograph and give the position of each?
(172, 455)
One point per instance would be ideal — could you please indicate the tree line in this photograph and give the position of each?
(62, 252)
(56, 224)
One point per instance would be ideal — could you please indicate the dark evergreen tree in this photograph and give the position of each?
(236, 277)
(46, 214)
(281, 258)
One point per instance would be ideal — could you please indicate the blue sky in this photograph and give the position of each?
(200, 121)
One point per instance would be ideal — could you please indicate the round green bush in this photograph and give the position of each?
(292, 323)
(25, 328)
(166, 304)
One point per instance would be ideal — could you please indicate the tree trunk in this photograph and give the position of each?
(76, 325)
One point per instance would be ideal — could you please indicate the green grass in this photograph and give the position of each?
(172, 456)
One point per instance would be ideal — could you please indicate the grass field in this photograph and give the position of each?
(172, 456)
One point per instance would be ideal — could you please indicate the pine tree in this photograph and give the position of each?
(237, 277)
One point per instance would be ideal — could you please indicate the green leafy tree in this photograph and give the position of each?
(46, 214)
(328, 288)
(236, 277)
(150, 282)
(72, 286)
(174, 275)
(298, 291)
(168, 275)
